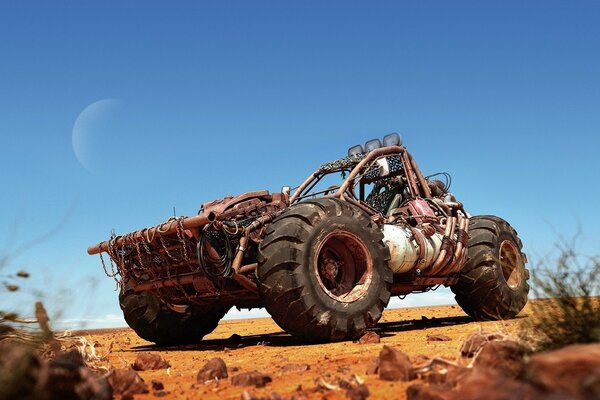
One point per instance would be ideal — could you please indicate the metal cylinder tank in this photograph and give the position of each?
(404, 250)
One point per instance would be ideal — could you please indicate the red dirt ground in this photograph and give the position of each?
(265, 348)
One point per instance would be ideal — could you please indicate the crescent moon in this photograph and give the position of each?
(87, 131)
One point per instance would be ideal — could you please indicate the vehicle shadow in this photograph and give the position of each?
(276, 339)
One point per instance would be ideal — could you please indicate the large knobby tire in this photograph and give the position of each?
(153, 321)
(323, 271)
(493, 284)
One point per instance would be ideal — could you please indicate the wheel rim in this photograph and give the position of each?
(343, 266)
(511, 264)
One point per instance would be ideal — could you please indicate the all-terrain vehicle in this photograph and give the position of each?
(323, 260)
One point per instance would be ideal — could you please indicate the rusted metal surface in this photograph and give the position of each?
(343, 267)
(166, 228)
(213, 256)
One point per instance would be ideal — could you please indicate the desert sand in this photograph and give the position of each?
(264, 347)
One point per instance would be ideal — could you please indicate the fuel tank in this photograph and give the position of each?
(404, 250)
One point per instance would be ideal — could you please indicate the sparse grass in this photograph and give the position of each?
(570, 310)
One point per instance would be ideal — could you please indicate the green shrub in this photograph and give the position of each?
(568, 310)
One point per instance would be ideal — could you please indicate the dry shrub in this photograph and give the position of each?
(568, 311)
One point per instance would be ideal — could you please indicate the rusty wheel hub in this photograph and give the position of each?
(343, 266)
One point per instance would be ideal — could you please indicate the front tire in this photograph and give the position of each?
(153, 321)
(322, 271)
(493, 283)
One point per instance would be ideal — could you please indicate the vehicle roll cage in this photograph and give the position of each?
(364, 169)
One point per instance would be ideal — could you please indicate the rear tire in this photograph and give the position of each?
(322, 271)
(153, 321)
(493, 284)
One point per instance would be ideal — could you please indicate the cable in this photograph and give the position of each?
(446, 175)
(215, 272)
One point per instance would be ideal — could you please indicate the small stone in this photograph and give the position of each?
(373, 367)
(215, 368)
(126, 382)
(475, 342)
(438, 338)
(360, 392)
(369, 338)
(253, 378)
(157, 385)
(440, 371)
(148, 361)
(295, 368)
(394, 365)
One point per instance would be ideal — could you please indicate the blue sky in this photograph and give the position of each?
(206, 99)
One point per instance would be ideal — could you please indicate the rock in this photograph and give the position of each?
(394, 365)
(475, 341)
(572, 371)
(148, 361)
(440, 371)
(369, 338)
(427, 392)
(215, 368)
(438, 338)
(360, 392)
(157, 385)
(126, 382)
(373, 367)
(254, 378)
(69, 380)
(504, 356)
(295, 368)
(490, 384)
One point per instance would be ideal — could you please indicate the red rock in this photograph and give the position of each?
(427, 392)
(490, 384)
(438, 338)
(360, 392)
(440, 371)
(148, 361)
(295, 368)
(373, 367)
(394, 365)
(157, 385)
(475, 341)
(254, 378)
(505, 356)
(571, 371)
(215, 368)
(126, 382)
(369, 338)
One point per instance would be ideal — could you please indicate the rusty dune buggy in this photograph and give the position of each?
(323, 261)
